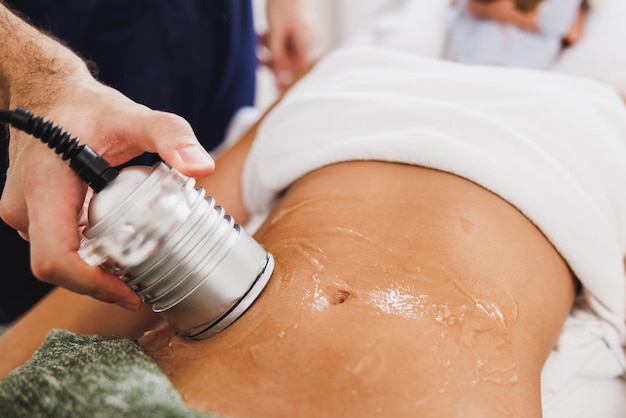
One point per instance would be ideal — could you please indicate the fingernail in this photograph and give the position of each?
(196, 155)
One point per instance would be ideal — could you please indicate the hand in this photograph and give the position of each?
(576, 30)
(505, 11)
(289, 39)
(44, 200)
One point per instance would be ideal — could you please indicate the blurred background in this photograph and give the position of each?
(334, 21)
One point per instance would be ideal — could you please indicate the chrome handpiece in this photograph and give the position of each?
(178, 250)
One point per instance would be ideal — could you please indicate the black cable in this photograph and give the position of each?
(5, 116)
(91, 167)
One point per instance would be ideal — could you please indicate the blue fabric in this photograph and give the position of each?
(195, 58)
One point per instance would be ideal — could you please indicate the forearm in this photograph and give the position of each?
(504, 11)
(33, 65)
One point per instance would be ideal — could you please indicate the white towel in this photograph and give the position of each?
(553, 145)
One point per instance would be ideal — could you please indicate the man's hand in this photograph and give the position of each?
(43, 199)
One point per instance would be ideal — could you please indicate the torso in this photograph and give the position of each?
(398, 291)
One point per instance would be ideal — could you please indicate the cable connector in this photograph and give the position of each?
(92, 168)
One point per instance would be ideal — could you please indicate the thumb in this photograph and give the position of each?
(173, 139)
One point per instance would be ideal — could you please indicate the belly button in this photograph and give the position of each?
(338, 296)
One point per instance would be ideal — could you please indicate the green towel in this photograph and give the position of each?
(89, 376)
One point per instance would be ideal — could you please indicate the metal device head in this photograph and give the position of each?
(178, 250)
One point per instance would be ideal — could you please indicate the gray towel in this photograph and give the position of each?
(90, 376)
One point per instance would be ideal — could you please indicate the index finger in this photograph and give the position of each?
(55, 239)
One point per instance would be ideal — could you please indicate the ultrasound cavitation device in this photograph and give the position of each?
(153, 228)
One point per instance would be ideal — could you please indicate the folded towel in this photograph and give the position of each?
(87, 376)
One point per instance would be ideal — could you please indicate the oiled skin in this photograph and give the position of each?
(398, 291)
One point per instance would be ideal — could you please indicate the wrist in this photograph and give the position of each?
(281, 11)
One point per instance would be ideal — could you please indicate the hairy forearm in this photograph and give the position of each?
(33, 65)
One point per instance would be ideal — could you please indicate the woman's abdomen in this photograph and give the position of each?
(398, 291)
